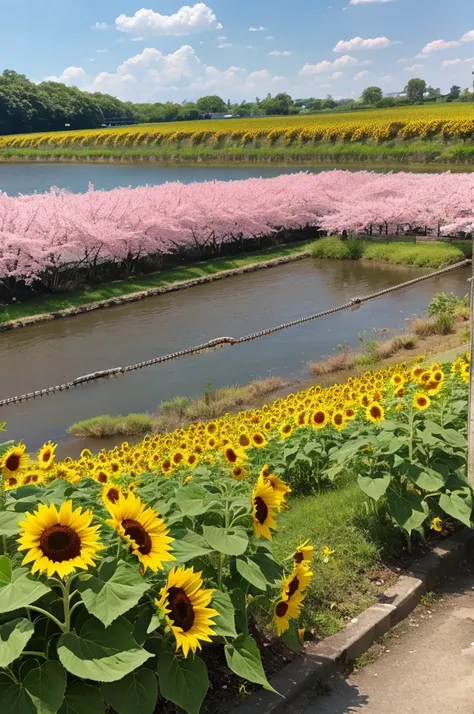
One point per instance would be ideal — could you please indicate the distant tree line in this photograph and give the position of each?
(52, 106)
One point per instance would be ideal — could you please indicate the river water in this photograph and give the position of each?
(54, 352)
(27, 177)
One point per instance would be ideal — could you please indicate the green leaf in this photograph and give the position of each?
(430, 480)
(14, 636)
(374, 486)
(188, 545)
(251, 572)
(116, 590)
(46, 686)
(5, 570)
(14, 698)
(230, 542)
(224, 623)
(239, 602)
(18, 588)
(134, 694)
(454, 505)
(183, 681)
(268, 565)
(9, 523)
(291, 638)
(243, 658)
(99, 653)
(193, 500)
(407, 509)
(82, 699)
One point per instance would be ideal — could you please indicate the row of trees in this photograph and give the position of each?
(59, 240)
(52, 106)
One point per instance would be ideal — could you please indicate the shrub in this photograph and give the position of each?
(447, 302)
(106, 425)
(331, 247)
(444, 323)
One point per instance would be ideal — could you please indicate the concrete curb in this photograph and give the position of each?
(151, 292)
(323, 659)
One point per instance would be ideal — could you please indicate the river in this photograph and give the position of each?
(54, 352)
(28, 177)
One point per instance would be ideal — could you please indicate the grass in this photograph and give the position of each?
(344, 586)
(106, 425)
(433, 254)
(119, 288)
(179, 411)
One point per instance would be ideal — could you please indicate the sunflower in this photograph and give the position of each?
(278, 485)
(319, 419)
(375, 413)
(299, 580)
(166, 466)
(258, 440)
(304, 552)
(233, 455)
(143, 530)
(265, 501)
(244, 439)
(421, 401)
(46, 455)
(338, 420)
(397, 380)
(238, 472)
(59, 541)
(287, 610)
(184, 603)
(110, 495)
(14, 460)
(286, 431)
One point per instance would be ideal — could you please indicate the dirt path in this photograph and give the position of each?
(426, 665)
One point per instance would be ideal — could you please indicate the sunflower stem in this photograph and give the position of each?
(46, 614)
(26, 653)
(4, 545)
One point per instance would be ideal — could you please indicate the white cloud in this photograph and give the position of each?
(152, 75)
(468, 36)
(414, 68)
(222, 37)
(358, 43)
(257, 29)
(73, 76)
(100, 26)
(449, 63)
(185, 21)
(225, 46)
(361, 75)
(387, 78)
(270, 37)
(367, 2)
(277, 53)
(337, 75)
(102, 51)
(438, 45)
(327, 66)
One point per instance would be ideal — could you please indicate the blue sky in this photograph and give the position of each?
(153, 50)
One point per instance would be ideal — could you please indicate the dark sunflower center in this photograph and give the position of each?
(13, 462)
(293, 586)
(258, 439)
(299, 557)
(231, 456)
(102, 477)
(60, 543)
(261, 510)
(375, 411)
(421, 401)
(318, 418)
(113, 495)
(136, 531)
(281, 609)
(244, 440)
(182, 611)
(338, 419)
(47, 455)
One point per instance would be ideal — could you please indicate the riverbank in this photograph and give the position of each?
(396, 152)
(125, 291)
(432, 254)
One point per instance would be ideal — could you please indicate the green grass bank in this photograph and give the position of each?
(417, 151)
(432, 254)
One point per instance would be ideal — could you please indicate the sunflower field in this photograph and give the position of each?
(450, 122)
(123, 571)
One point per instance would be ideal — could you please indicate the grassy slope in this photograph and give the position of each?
(118, 288)
(344, 586)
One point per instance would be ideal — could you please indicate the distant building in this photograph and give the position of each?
(219, 115)
(395, 94)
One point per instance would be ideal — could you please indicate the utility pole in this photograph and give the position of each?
(470, 425)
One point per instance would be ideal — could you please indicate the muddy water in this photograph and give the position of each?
(58, 351)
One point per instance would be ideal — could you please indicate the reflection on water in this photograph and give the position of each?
(57, 351)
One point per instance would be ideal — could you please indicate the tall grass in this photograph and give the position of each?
(106, 425)
(433, 254)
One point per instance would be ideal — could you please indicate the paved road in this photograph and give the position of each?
(426, 667)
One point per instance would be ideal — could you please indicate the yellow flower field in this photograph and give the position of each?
(448, 121)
